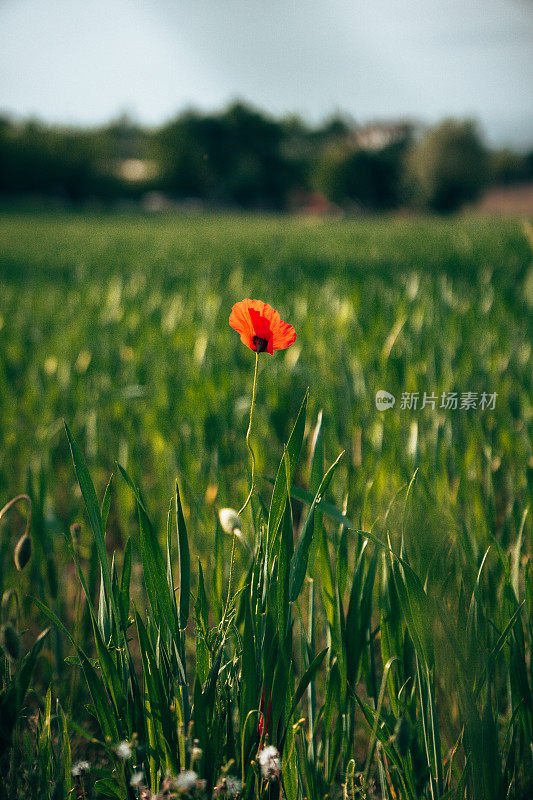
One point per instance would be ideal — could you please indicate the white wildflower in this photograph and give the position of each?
(233, 787)
(185, 781)
(230, 521)
(124, 751)
(270, 762)
(79, 768)
(136, 779)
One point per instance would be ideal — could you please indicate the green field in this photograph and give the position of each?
(118, 325)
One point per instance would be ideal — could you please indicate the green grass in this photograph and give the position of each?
(119, 325)
(147, 301)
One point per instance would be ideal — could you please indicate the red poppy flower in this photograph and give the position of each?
(261, 327)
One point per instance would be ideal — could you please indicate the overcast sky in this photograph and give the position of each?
(86, 61)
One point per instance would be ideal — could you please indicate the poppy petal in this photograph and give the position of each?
(240, 321)
(266, 311)
(284, 335)
(262, 329)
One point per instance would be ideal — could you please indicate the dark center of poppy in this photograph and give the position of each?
(260, 344)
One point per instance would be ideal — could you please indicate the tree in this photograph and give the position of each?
(449, 166)
(370, 179)
(508, 167)
(234, 158)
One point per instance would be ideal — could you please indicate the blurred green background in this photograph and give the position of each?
(119, 324)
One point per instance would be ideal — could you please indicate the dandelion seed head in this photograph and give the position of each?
(136, 779)
(185, 781)
(233, 786)
(79, 768)
(270, 762)
(124, 750)
(228, 787)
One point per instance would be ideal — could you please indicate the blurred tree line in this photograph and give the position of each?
(243, 158)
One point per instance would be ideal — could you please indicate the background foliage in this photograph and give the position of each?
(242, 158)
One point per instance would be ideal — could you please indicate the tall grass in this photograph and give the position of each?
(372, 621)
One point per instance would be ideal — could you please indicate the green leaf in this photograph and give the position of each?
(52, 616)
(303, 683)
(109, 788)
(165, 729)
(286, 550)
(95, 518)
(281, 687)
(515, 572)
(104, 617)
(185, 563)
(201, 608)
(504, 635)
(12, 698)
(280, 492)
(359, 614)
(104, 711)
(124, 595)
(44, 743)
(301, 552)
(416, 609)
(66, 755)
(170, 572)
(317, 455)
(304, 496)
(248, 685)
(249, 736)
(202, 628)
(210, 684)
(106, 503)
(385, 735)
(109, 670)
(154, 566)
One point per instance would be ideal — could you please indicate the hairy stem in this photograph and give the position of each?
(252, 487)
(249, 446)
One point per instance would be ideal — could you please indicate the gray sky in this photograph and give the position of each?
(86, 61)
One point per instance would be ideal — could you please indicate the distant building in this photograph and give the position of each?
(136, 170)
(378, 135)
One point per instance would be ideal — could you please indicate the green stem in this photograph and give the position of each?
(249, 446)
(252, 487)
(232, 561)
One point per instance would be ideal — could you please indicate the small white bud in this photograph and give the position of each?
(230, 521)
(196, 754)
